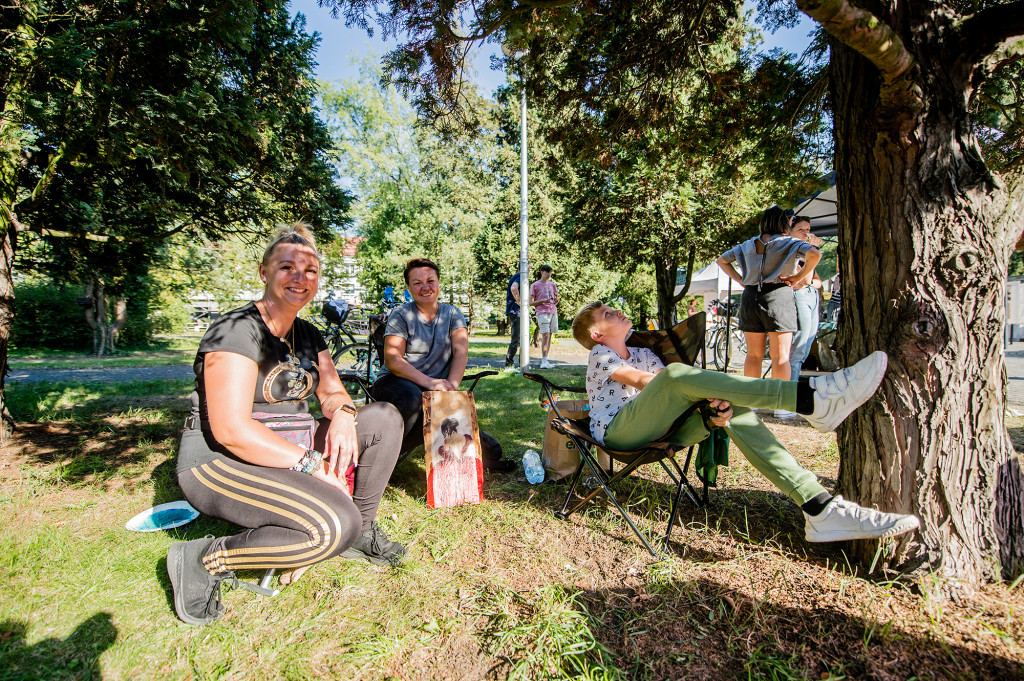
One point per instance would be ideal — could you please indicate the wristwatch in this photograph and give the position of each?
(348, 409)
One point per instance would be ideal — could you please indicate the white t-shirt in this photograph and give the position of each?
(607, 396)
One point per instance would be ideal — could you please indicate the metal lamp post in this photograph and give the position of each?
(524, 265)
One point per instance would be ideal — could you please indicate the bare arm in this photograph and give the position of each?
(515, 293)
(730, 271)
(341, 447)
(460, 355)
(230, 382)
(394, 360)
(811, 258)
(635, 378)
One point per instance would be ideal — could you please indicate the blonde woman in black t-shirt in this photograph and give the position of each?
(252, 455)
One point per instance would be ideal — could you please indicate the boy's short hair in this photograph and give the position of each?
(546, 268)
(419, 262)
(583, 322)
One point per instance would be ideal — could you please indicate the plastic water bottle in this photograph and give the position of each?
(533, 467)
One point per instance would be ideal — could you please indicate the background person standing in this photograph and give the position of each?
(512, 311)
(808, 302)
(544, 297)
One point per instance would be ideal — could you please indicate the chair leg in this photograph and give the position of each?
(564, 513)
(263, 588)
(679, 477)
(690, 491)
(604, 486)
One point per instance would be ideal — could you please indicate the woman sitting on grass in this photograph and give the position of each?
(252, 455)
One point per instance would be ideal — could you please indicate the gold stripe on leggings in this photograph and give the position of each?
(289, 508)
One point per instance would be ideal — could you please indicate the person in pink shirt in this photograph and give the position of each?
(544, 298)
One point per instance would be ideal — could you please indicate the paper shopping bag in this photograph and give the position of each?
(455, 472)
(560, 455)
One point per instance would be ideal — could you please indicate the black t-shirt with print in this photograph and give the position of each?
(286, 377)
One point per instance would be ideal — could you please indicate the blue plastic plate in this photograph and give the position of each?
(163, 517)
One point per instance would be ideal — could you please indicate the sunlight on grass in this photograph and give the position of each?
(499, 590)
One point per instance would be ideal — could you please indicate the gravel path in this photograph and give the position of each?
(565, 352)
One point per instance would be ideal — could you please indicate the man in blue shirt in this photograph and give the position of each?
(512, 312)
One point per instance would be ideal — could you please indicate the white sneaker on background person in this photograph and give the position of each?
(836, 395)
(784, 414)
(545, 364)
(843, 520)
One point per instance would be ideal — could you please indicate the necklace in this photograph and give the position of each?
(300, 380)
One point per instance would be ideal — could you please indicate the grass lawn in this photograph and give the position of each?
(163, 351)
(501, 590)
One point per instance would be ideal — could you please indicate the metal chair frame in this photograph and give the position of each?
(684, 343)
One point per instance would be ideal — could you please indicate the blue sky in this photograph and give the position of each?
(340, 46)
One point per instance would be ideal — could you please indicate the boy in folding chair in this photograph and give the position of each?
(635, 398)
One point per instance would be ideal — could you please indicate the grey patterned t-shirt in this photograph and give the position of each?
(428, 345)
(607, 396)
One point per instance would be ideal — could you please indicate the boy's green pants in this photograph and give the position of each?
(650, 414)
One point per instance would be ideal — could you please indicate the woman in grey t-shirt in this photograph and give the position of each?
(426, 347)
(768, 306)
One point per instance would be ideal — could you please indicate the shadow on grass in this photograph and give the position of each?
(98, 453)
(706, 629)
(76, 656)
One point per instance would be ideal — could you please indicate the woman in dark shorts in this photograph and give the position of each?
(768, 307)
(252, 455)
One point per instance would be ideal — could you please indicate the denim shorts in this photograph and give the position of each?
(770, 310)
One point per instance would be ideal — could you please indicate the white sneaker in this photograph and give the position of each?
(842, 520)
(836, 395)
(545, 364)
(783, 414)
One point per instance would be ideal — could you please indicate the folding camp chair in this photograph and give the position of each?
(682, 343)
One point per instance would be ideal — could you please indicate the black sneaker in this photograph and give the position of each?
(196, 591)
(373, 546)
(499, 465)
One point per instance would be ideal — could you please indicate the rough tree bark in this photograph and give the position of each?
(926, 230)
(665, 270)
(6, 322)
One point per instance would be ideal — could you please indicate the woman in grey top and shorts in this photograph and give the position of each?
(768, 306)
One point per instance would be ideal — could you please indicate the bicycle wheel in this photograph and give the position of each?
(718, 346)
(355, 358)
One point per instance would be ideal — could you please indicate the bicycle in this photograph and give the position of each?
(719, 335)
(350, 355)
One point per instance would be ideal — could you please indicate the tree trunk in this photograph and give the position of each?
(925, 233)
(120, 319)
(6, 322)
(665, 270)
(97, 317)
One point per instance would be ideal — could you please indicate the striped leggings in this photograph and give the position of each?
(294, 519)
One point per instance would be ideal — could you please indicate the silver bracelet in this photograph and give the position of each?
(309, 463)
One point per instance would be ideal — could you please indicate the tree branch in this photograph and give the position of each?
(877, 42)
(689, 277)
(994, 33)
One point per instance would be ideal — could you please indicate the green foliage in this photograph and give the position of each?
(48, 316)
(451, 197)
(129, 128)
(677, 185)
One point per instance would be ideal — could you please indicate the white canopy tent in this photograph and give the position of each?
(710, 282)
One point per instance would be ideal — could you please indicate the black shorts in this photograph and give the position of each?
(770, 310)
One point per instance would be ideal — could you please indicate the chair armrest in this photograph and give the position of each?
(359, 379)
(476, 377)
(554, 386)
